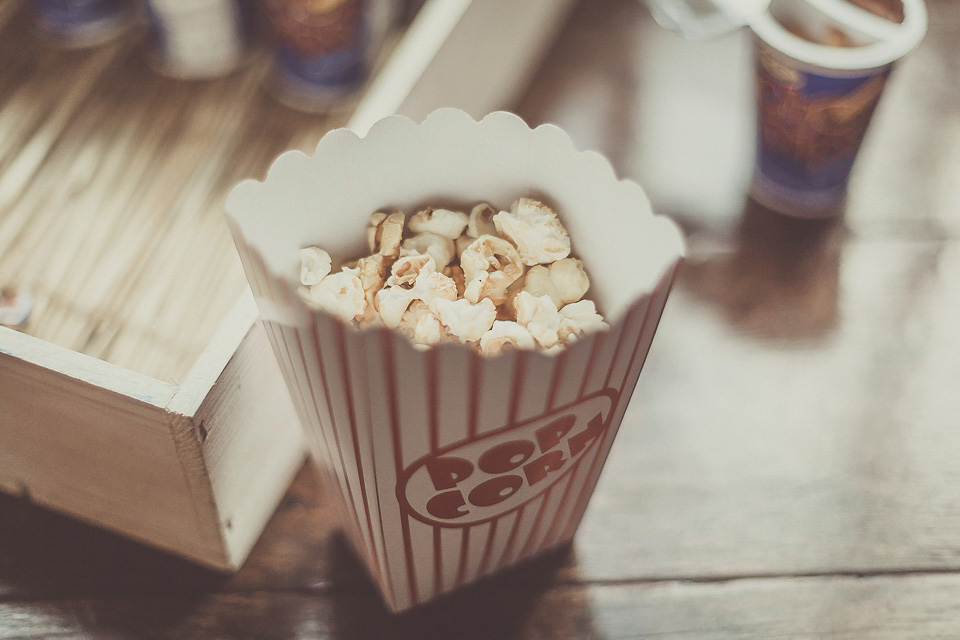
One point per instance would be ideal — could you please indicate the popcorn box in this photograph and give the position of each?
(451, 465)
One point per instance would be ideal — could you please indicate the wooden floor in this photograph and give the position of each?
(789, 466)
(112, 182)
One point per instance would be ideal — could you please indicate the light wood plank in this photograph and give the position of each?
(244, 427)
(111, 196)
(105, 453)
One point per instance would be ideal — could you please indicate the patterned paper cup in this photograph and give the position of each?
(816, 100)
(451, 465)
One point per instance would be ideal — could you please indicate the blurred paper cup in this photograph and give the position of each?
(451, 465)
(821, 68)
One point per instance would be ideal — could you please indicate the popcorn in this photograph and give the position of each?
(420, 325)
(505, 334)
(481, 221)
(535, 230)
(443, 222)
(436, 285)
(490, 264)
(455, 273)
(314, 265)
(406, 269)
(411, 316)
(428, 331)
(579, 318)
(412, 278)
(416, 310)
(465, 320)
(490, 280)
(387, 233)
(463, 242)
(373, 229)
(425, 242)
(538, 282)
(540, 317)
(569, 280)
(339, 293)
(371, 271)
(507, 310)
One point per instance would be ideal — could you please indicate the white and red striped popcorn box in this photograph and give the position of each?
(452, 465)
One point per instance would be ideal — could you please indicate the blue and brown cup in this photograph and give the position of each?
(821, 69)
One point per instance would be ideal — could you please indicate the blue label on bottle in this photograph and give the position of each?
(334, 69)
(66, 16)
(325, 49)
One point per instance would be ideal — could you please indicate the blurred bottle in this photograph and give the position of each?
(194, 39)
(323, 49)
(83, 23)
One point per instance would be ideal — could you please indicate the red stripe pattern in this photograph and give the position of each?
(374, 408)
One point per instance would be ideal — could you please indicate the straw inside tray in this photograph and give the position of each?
(112, 181)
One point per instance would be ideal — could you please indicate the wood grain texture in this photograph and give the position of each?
(788, 467)
(111, 194)
(877, 608)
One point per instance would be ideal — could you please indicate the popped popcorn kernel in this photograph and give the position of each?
(569, 280)
(442, 249)
(538, 282)
(505, 334)
(507, 309)
(481, 221)
(455, 273)
(443, 222)
(428, 330)
(392, 303)
(535, 231)
(436, 285)
(462, 243)
(339, 293)
(314, 265)
(412, 278)
(405, 270)
(387, 234)
(420, 325)
(490, 265)
(373, 228)
(579, 318)
(371, 271)
(416, 310)
(463, 319)
(540, 317)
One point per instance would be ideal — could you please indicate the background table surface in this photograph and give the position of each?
(790, 465)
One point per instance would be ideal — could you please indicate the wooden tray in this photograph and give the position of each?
(142, 395)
